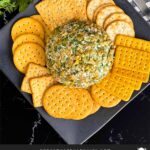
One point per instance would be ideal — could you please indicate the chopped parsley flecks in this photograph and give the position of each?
(79, 54)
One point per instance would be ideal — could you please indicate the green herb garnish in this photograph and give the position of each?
(9, 6)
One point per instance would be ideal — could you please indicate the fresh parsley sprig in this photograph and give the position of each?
(8, 6)
(22, 4)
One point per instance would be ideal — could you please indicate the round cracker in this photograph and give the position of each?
(27, 25)
(117, 17)
(40, 20)
(27, 38)
(119, 27)
(93, 5)
(28, 53)
(83, 106)
(105, 12)
(59, 101)
(103, 98)
(95, 108)
(99, 8)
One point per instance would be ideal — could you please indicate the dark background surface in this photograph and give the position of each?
(21, 124)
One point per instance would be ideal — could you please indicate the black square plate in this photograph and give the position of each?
(73, 132)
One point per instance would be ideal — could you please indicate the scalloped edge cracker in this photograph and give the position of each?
(93, 5)
(105, 12)
(119, 27)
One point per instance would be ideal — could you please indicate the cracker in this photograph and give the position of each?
(33, 71)
(119, 27)
(135, 75)
(28, 53)
(93, 6)
(100, 8)
(40, 20)
(134, 43)
(104, 98)
(80, 11)
(105, 12)
(136, 84)
(56, 13)
(95, 108)
(59, 101)
(119, 90)
(83, 106)
(27, 26)
(132, 59)
(38, 87)
(115, 17)
(27, 38)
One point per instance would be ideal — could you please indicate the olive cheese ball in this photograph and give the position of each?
(79, 54)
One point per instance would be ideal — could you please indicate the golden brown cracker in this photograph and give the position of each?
(28, 53)
(27, 38)
(131, 42)
(136, 84)
(93, 5)
(46, 29)
(59, 101)
(95, 108)
(27, 26)
(117, 16)
(38, 87)
(105, 12)
(103, 98)
(33, 71)
(99, 9)
(83, 106)
(39, 19)
(123, 92)
(132, 59)
(119, 27)
(56, 13)
(135, 75)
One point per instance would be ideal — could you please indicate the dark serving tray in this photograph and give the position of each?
(73, 132)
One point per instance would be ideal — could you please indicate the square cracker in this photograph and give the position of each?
(57, 12)
(131, 42)
(33, 71)
(144, 77)
(132, 59)
(119, 90)
(136, 84)
(38, 86)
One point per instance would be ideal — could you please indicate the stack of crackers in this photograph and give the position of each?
(110, 17)
(131, 68)
(131, 65)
